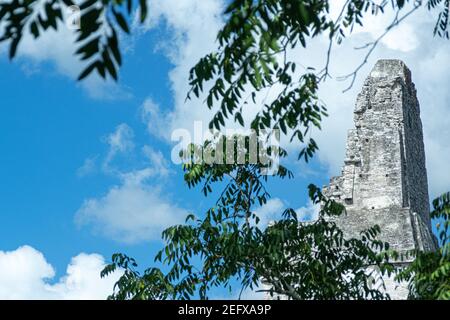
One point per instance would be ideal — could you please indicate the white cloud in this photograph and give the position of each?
(308, 213)
(26, 274)
(155, 119)
(275, 207)
(132, 211)
(88, 167)
(119, 142)
(58, 47)
(427, 56)
(402, 37)
(192, 40)
(193, 27)
(157, 160)
(270, 211)
(412, 41)
(247, 294)
(430, 73)
(137, 209)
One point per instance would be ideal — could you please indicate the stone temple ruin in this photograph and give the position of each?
(384, 178)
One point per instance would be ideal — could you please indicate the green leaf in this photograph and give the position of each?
(238, 117)
(109, 64)
(121, 20)
(144, 9)
(34, 29)
(114, 47)
(13, 47)
(87, 70)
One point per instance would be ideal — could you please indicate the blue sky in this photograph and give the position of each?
(82, 162)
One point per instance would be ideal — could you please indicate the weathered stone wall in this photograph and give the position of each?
(384, 178)
(415, 177)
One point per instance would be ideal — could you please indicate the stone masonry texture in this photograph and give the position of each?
(384, 178)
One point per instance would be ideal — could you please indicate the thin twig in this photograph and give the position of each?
(324, 72)
(372, 45)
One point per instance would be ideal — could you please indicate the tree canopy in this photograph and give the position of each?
(297, 260)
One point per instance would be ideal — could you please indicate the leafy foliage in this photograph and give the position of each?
(301, 261)
(292, 259)
(442, 23)
(98, 34)
(429, 273)
(297, 260)
(252, 44)
(253, 57)
(151, 285)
